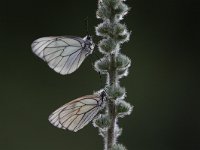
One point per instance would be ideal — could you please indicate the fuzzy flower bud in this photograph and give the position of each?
(123, 108)
(115, 92)
(122, 62)
(102, 121)
(102, 65)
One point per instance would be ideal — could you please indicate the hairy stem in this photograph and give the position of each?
(112, 80)
(115, 65)
(111, 139)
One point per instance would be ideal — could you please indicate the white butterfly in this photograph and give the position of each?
(64, 54)
(78, 113)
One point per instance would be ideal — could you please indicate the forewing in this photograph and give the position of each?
(63, 54)
(77, 113)
(40, 44)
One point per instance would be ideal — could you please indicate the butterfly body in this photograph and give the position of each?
(64, 54)
(77, 113)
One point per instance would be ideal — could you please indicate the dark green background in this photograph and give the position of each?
(163, 83)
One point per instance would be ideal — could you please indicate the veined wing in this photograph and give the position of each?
(39, 45)
(77, 113)
(63, 54)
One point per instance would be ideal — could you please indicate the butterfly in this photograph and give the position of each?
(64, 54)
(79, 112)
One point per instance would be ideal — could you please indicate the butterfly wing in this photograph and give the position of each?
(77, 113)
(63, 54)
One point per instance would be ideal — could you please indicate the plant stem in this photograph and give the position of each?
(111, 131)
(111, 138)
(115, 65)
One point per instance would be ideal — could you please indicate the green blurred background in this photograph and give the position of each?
(163, 83)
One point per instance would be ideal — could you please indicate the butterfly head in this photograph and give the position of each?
(89, 42)
(103, 95)
(89, 37)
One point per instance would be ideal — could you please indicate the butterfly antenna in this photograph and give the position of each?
(87, 30)
(86, 25)
(101, 81)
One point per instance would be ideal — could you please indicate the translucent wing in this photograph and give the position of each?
(63, 54)
(77, 113)
(39, 45)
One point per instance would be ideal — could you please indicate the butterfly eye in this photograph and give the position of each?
(88, 38)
